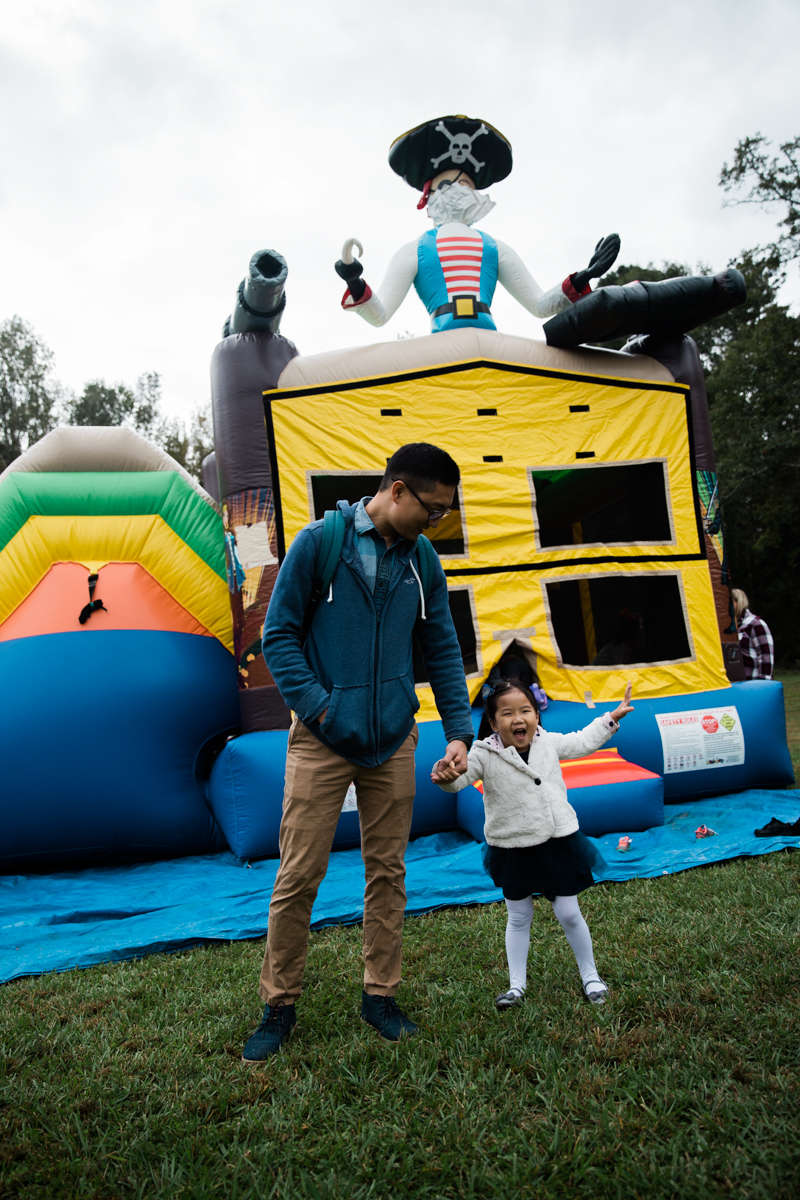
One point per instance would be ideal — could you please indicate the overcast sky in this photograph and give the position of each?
(148, 149)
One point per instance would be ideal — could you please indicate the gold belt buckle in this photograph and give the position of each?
(465, 306)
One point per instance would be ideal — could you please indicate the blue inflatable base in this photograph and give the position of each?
(246, 793)
(107, 914)
(633, 806)
(99, 734)
(759, 703)
(246, 786)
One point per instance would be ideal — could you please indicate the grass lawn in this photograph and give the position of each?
(125, 1080)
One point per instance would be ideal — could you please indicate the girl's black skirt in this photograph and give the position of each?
(558, 867)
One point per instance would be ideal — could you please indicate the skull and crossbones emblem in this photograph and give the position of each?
(460, 148)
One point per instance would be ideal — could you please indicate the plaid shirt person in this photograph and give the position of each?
(758, 651)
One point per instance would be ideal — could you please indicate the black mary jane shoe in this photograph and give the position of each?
(509, 999)
(596, 991)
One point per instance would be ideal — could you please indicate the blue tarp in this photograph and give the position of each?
(105, 914)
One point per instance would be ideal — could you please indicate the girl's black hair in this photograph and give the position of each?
(516, 670)
(492, 703)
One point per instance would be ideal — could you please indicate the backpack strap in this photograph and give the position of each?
(330, 549)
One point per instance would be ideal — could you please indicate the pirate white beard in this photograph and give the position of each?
(458, 203)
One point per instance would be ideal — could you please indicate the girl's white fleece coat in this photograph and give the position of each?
(526, 803)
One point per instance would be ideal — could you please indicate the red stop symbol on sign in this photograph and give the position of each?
(710, 724)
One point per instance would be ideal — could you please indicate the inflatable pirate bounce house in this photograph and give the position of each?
(587, 539)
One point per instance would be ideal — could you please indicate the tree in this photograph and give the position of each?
(754, 398)
(140, 409)
(648, 274)
(763, 275)
(751, 359)
(772, 181)
(29, 400)
(188, 446)
(754, 393)
(27, 394)
(201, 440)
(101, 404)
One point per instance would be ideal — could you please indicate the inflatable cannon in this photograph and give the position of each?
(260, 297)
(250, 358)
(666, 309)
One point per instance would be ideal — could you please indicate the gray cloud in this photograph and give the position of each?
(147, 150)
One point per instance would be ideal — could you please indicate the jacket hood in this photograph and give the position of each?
(494, 743)
(348, 510)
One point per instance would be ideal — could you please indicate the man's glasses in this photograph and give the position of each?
(434, 514)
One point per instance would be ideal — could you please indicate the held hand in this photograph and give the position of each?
(625, 707)
(322, 716)
(452, 765)
(442, 773)
(604, 256)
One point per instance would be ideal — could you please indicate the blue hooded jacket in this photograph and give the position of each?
(356, 665)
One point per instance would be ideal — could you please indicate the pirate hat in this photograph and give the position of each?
(456, 142)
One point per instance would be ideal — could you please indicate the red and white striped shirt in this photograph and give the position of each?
(461, 259)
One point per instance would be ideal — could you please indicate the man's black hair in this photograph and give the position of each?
(421, 465)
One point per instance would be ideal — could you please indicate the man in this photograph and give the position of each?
(351, 687)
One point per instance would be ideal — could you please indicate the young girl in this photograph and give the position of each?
(533, 843)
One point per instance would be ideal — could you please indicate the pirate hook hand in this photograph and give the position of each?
(604, 256)
(350, 269)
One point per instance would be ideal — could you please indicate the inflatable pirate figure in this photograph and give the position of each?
(454, 267)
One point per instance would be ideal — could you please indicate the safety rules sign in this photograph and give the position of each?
(703, 738)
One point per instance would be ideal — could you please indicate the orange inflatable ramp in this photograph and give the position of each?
(133, 600)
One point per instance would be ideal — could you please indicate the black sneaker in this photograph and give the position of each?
(508, 1000)
(776, 828)
(276, 1026)
(382, 1013)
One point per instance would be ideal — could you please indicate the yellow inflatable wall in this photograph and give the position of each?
(577, 501)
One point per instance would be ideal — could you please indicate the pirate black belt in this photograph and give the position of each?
(462, 308)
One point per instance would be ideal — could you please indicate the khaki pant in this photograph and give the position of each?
(316, 782)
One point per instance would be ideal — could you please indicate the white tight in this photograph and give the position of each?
(518, 937)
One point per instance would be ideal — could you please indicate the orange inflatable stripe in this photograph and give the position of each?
(604, 766)
(133, 598)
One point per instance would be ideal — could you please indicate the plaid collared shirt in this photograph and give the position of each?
(758, 652)
(376, 559)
